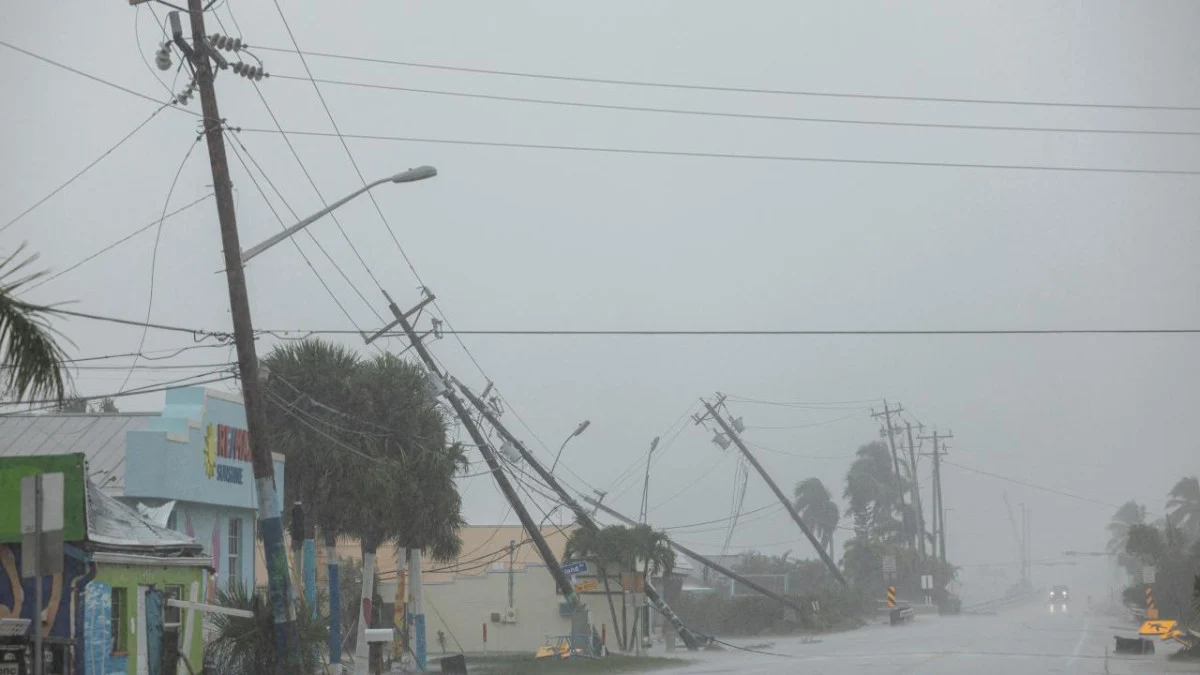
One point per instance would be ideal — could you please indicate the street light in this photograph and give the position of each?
(410, 176)
(578, 430)
(646, 485)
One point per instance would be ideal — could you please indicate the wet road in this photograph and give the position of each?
(1026, 640)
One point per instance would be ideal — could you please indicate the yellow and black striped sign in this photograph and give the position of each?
(1151, 608)
(891, 597)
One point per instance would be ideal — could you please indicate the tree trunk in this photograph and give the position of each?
(612, 609)
(362, 649)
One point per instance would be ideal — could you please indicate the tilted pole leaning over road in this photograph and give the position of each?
(721, 569)
(489, 456)
(887, 413)
(581, 514)
(916, 491)
(787, 504)
(270, 524)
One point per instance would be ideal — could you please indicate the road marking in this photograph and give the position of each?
(1079, 645)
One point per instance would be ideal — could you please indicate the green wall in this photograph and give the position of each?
(130, 577)
(13, 469)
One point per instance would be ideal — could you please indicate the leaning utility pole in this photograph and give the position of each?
(585, 519)
(916, 490)
(489, 456)
(270, 524)
(899, 480)
(787, 504)
(721, 569)
(939, 505)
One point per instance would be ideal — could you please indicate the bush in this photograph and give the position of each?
(756, 615)
(246, 646)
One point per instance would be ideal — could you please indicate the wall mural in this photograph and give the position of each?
(16, 595)
(98, 658)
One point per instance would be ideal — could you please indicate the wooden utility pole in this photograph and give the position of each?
(899, 480)
(939, 505)
(916, 491)
(270, 524)
(581, 515)
(489, 456)
(787, 504)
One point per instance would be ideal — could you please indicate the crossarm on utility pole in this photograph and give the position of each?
(585, 519)
(787, 504)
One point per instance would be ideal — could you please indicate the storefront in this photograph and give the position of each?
(186, 468)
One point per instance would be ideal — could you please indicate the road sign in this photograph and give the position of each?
(927, 582)
(577, 567)
(44, 537)
(889, 563)
(1157, 627)
(891, 596)
(586, 586)
(1148, 574)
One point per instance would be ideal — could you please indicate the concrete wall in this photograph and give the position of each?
(461, 607)
(97, 630)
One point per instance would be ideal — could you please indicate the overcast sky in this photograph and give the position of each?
(569, 239)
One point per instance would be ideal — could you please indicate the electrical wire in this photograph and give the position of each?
(84, 170)
(697, 154)
(1029, 485)
(734, 89)
(140, 324)
(689, 486)
(116, 243)
(174, 351)
(154, 254)
(254, 181)
(806, 426)
(162, 386)
(93, 77)
(743, 116)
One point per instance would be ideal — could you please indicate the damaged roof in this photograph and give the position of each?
(113, 526)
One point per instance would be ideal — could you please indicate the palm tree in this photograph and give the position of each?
(602, 547)
(817, 508)
(871, 490)
(29, 354)
(246, 646)
(1127, 515)
(1184, 505)
(654, 551)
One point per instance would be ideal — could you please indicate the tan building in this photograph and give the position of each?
(463, 596)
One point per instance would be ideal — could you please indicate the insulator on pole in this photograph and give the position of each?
(226, 43)
(162, 58)
(248, 71)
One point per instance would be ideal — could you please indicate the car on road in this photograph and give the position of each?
(1059, 595)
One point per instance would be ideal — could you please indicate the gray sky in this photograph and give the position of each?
(525, 238)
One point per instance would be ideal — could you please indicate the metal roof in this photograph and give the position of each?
(112, 524)
(99, 436)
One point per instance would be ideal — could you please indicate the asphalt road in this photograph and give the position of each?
(1026, 641)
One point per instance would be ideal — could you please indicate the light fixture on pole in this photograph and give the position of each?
(578, 430)
(646, 486)
(410, 176)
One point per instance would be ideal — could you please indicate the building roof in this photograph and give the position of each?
(113, 526)
(99, 436)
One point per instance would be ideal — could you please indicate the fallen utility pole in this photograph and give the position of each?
(916, 491)
(891, 436)
(721, 569)
(791, 508)
(585, 519)
(270, 524)
(489, 456)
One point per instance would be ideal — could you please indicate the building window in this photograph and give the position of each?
(235, 551)
(172, 616)
(120, 613)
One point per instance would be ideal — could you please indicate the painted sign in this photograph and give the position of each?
(577, 567)
(74, 509)
(222, 441)
(586, 586)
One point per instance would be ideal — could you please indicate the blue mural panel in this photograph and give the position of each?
(98, 658)
(17, 594)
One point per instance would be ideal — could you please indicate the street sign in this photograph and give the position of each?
(1148, 574)
(44, 538)
(889, 563)
(927, 582)
(586, 586)
(577, 567)
(1157, 627)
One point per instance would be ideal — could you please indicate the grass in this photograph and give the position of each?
(514, 664)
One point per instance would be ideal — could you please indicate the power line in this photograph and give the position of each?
(734, 155)
(139, 324)
(116, 243)
(739, 115)
(149, 389)
(84, 170)
(93, 77)
(154, 254)
(174, 351)
(1030, 485)
(806, 426)
(254, 181)
(735, 89)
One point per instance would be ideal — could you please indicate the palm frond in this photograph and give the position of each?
(31, 357)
